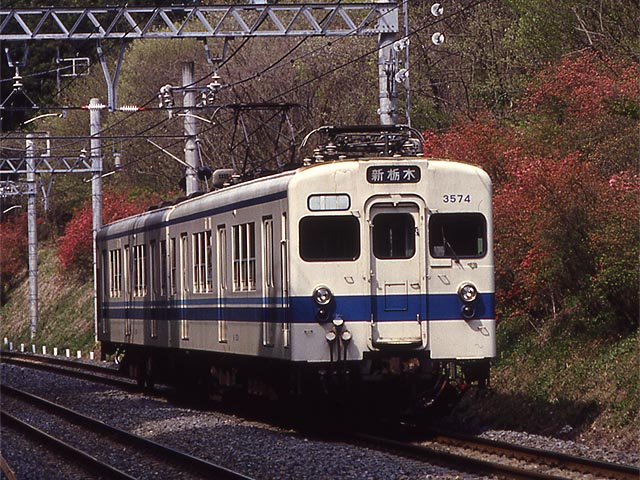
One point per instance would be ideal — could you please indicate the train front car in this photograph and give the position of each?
(392, 279)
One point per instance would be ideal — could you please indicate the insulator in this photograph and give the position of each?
(437, 9)
(129, 108)
(95, 106)
(437, 38)
(402, 75)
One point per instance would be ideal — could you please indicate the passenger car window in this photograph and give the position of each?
(329, 238)
(457, 235)
(394, 235)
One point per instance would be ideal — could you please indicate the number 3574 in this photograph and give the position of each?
(456, 198)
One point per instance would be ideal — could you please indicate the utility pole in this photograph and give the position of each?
(190, 148)
(96, 194)
(387, 63)
(32, 232)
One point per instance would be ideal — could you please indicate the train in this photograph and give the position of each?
(365, 273)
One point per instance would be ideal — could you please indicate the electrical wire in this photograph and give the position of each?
(275, 65)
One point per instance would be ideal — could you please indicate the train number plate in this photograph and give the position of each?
(394, 174)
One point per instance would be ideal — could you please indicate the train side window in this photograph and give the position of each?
(202, 262)
(329, 238)
(457, 235)
(394, 235)
(174, 262)
(139, 271)
(153, 268)
(126, 272)
(163, 268)
(267, 242)
(115, 273)
(244, 257)
(222, 257)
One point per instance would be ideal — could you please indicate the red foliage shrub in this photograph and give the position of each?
(566, 236)
(13, 249)
(75, 247)
(585, 87)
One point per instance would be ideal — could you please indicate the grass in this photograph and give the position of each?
(578, 388)
(65, 308)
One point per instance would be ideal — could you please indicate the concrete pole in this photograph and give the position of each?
(190, 148)
(32, 228)
(96, 195)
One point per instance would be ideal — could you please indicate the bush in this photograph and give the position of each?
(75, 247)
(13, 251)
(566, 236)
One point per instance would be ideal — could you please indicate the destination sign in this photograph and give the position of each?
(394, 174)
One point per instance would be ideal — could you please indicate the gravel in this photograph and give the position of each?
(254, 448)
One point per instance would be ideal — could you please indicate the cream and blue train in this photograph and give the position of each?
(356, 274)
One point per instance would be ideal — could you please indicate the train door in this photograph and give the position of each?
(284, 282)
(269, 296)
(183, 292)
(222, 281)
(397, 279)
(128, 291)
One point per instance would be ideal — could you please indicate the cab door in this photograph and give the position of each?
(398, 288)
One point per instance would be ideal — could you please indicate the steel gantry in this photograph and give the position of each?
(222, 21)
(180, 21)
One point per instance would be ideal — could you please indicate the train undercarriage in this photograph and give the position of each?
(406, 385)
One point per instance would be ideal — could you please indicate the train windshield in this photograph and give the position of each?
(457, 235)
(329, 238)
(394, 235)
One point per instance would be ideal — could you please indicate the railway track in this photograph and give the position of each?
(458, 451)
(479, 455)
(104, 374)
(106, 450)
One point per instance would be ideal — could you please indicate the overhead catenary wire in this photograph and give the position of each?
(274, 65)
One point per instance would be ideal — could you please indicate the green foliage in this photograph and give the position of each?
(563, 372)
(545, 31)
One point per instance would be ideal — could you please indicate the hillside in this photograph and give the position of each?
(65, 307)
(551, 385)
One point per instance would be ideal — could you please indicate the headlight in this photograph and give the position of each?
(468, 312)
(468, 292)
(322, 295)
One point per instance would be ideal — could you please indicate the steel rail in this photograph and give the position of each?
(69, 450)
(93, 373)
(457, 461)
(216, 471)
(564, 460)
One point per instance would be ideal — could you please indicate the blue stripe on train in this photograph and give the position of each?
(301, 310)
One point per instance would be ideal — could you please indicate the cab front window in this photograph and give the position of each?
(329, 238)
(457, 235)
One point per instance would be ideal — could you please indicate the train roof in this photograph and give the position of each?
(211, 201)
(265, 188)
